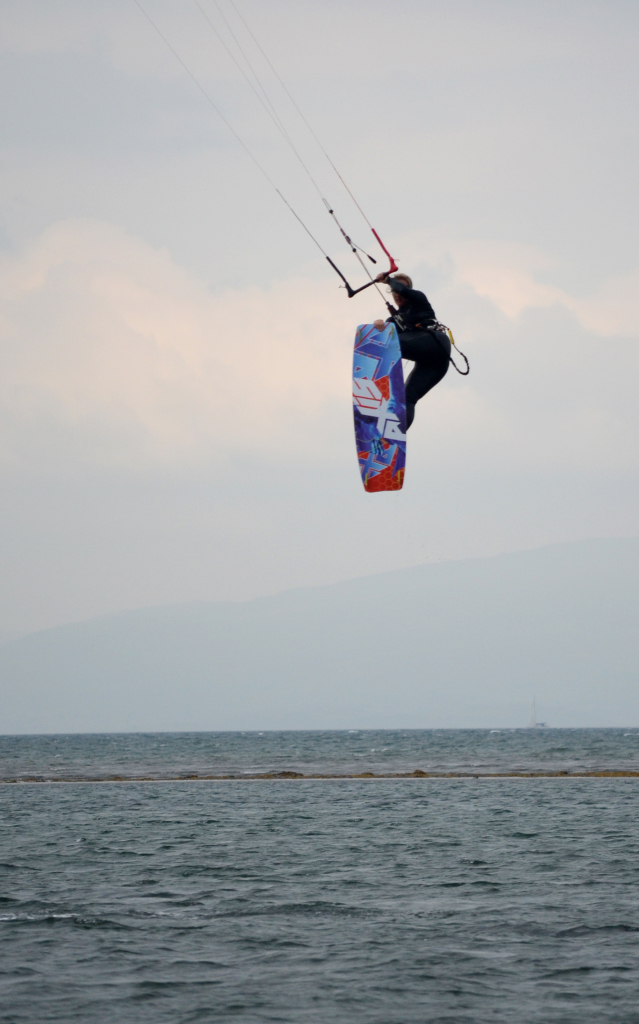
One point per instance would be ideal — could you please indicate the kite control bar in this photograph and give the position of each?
(355, 291)
(367, 285)
(393, 265)
(356, 249)
(349, 290)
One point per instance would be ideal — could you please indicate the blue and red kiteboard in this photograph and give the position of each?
(379, 407)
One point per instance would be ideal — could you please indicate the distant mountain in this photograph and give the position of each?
(454, 644)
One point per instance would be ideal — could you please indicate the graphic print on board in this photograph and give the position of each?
(379, 407)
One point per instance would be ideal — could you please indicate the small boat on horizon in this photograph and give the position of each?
(534, 724)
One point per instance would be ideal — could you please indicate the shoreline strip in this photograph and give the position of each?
(300, 776)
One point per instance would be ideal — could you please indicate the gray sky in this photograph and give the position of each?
(175, 378)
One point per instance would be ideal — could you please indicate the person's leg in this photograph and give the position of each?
(420, 381)
(431, 357)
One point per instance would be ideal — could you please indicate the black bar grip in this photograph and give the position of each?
(349, 290)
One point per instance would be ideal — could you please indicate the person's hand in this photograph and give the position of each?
(383, 276)
(379, 325)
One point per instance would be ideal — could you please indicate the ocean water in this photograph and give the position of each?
(246, 754)
(380, 900)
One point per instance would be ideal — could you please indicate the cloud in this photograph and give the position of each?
(613, 309)
(161, 440)
(115, 356)
(503, 272)
(507, 273)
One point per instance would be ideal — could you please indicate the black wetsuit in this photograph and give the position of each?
(427, 348)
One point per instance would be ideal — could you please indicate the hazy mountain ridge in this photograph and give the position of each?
(449, 644)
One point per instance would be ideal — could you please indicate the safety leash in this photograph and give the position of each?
(447, 330)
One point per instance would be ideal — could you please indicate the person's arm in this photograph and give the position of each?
(410, 294)
(399, 288)
(417, 300)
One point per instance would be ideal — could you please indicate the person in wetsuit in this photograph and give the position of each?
(428, 348)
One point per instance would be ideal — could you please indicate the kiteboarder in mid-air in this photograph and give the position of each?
(378, 385)
(419, 339)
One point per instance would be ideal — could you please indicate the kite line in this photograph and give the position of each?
(262, 95)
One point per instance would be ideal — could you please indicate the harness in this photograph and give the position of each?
(435, 329)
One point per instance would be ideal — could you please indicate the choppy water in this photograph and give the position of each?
(170, 755)
(328, 902)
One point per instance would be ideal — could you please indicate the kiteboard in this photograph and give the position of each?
(379, 407)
